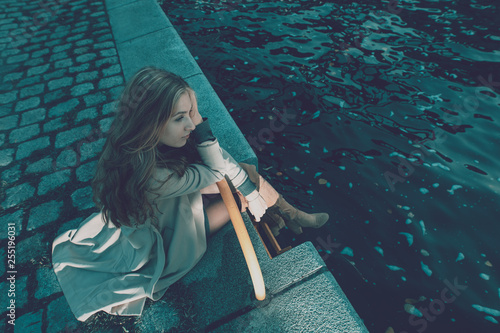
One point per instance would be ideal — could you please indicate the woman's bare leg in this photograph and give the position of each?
(217, 214)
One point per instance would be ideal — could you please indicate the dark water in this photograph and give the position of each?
(385, 115)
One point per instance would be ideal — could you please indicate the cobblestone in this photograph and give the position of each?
(12, 77)
(25, 149)
(86, 76)
(58, 56)
(17, 218)
(67, 158)
(8, 97)
(53, 125)
(53, 181)
(75, 37)
(63, 108)
(43, 165)
(111, 60)
(54, 96)
(33, 116)
(60, 317)
(82, 89)
(34, 62)
(17, 58)
(18, 194)
(60, 83)
(110, 82)
(90, 113)
(12, 175)
(86, 57)
(31, 91)
(66, 138)
(81, 50)
(61, 48)
(63, 63)
(31, 248)
(112, 70)
(40, 53)
(105, 124)
(84, 42)
(44, 214)
(86, 172)
(9, 122)
(81, 68)
(47, 283)
(6, 156)
(24, 133)
(92, 149)
(27, 104)
(94, 99)
(108, 108)
(29, 81)
(30, 322)
(82, 198)
(22, 293)
(108, 52)
(54, 75)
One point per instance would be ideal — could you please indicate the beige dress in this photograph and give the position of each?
(101, 267)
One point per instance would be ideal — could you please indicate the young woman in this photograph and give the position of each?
(159, 158)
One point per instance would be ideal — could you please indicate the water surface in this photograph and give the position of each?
(386, 116)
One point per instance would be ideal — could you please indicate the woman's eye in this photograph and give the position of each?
(180, 118)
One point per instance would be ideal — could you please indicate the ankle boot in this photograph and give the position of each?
(296, 219)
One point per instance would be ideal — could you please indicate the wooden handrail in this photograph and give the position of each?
(244, 239)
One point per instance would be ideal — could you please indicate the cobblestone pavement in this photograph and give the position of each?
(59, 76)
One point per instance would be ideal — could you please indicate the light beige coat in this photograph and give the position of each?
(101, 267)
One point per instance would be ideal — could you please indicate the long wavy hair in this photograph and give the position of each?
(133, 150)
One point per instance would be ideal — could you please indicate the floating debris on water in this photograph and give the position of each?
(347, 251)
(426, 269)
(435, 185)
(484, 309)
(460, 257)
(424, 253)
(350, 185)
(325, 150)
(408, 221)
(490, 318)
(453, 188)
(341, 167)
(488, 263)
(411, 309)
(422, 225)
(322, 181)
(379, 250)
(395, 268)
(296, 168)
(444, 167)
(318, 174)
(411, 215)
(484, 276)
(424, 190)
(409, 237)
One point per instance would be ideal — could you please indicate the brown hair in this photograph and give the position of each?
(132, 150)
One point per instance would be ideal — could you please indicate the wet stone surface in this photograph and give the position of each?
(57, 76)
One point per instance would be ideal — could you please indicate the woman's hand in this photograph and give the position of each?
(256, 205)
(194, 113)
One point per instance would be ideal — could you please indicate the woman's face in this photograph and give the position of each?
(180, 125)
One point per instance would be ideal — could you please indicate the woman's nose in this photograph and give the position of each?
(190, 125)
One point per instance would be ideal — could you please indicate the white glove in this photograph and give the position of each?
(256, 205)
